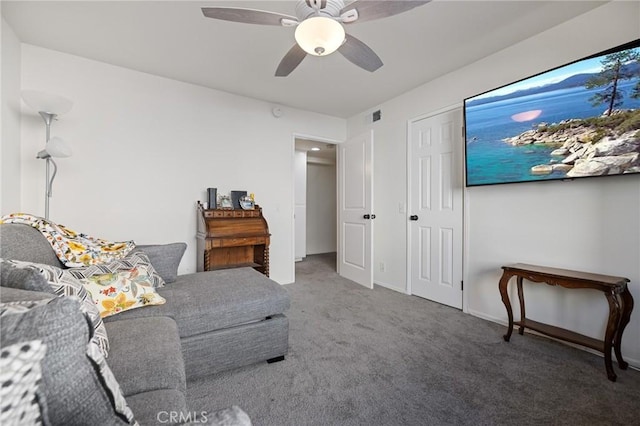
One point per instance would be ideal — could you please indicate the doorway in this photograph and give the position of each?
(315, 198)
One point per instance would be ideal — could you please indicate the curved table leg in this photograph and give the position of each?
(521, 299)
(611, 333)
(626, 303)
(502, 285)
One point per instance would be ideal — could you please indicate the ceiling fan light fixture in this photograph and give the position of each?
(319, 35)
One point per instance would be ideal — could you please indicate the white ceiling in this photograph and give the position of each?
(173, 39)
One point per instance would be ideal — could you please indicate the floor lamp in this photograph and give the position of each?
(49, 106)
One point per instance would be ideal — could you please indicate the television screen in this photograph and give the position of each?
(577, 120)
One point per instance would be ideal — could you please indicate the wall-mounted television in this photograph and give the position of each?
(578, 120)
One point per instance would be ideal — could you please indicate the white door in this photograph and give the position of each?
(355, 218)
(435, 208)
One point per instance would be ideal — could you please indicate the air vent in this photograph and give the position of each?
(377, 115)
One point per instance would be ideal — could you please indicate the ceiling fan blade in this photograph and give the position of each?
(360, 54)
(248, 16)
(290, 61)
(369, 10)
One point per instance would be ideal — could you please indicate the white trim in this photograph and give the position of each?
(295, 136)
(465, 247)
(436, 112)
(314, 138)
(407, 197)
(389, 286)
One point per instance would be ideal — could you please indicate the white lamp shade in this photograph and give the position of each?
(46, 102)
(56, 147)
(319, 35)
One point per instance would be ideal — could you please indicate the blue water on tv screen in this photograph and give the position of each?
(531, 129)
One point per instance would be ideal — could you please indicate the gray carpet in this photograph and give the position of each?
(378, 357)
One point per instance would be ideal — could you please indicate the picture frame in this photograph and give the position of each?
(235, 198)
(224, 202)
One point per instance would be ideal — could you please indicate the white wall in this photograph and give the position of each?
(589, 225)
(321, 208)
(10, 184)
(146, 148)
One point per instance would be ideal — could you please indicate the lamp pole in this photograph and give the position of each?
(49, 107)
(47, 117)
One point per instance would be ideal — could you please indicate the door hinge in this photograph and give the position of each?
(461, 285)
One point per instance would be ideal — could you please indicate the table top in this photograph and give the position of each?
(566, 273)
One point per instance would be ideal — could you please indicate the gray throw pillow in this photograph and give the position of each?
(165, 258)
(75, 391)
(24, 279)
(9, 294)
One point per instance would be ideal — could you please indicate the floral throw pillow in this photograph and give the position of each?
(137, 260)
(120, 291)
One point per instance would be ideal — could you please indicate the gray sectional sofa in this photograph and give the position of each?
(211, 322)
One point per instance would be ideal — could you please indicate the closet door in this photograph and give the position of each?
(435, 208)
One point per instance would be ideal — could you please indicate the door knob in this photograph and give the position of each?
(413, 217)
(366, 216)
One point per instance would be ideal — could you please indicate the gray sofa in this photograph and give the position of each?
(211, 322)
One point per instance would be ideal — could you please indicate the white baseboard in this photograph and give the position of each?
(390, 286)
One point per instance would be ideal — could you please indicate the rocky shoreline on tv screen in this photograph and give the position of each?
(597, 146)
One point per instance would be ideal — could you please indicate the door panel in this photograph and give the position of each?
(424, 257)
(355, 248)
(435, 196)
(446, 261)
(354, 190)
(354, 237)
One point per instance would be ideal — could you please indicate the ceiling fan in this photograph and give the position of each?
(319, 27)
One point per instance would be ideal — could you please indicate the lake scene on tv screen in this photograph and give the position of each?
(579, 120)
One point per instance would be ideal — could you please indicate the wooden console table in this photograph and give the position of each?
(232, 239)
(614, 288)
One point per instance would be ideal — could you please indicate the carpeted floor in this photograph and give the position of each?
(378, 357)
